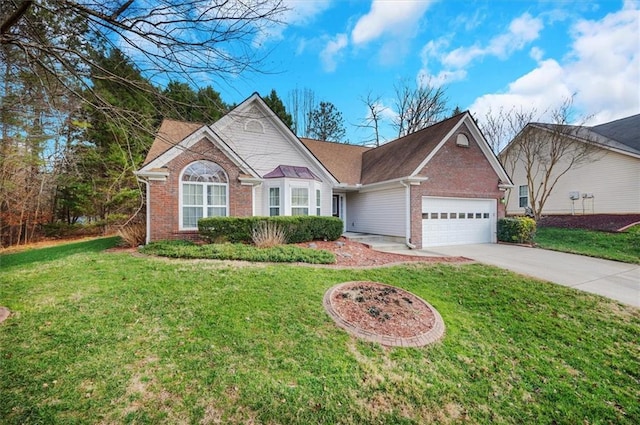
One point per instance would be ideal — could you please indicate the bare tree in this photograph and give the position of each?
(373, 118)
(502, 126)
(418, 107)
(545, 152)
(301, 102)
(166, 39)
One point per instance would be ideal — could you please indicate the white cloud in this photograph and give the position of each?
(536, 53)
(331, 51)
(386, 17)
(602, 70)
(522, 30)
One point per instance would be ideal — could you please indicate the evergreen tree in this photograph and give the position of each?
(275, 103)
(326, 123)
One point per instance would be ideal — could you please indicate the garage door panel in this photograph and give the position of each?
(455, 221)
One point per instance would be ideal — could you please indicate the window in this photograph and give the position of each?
(204, 193)
(299, 201)
(274, 201)
(523, 196)
(318, 202)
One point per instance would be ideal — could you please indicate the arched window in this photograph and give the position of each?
(204, 193)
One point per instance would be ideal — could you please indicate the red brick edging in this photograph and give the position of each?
(432, 335)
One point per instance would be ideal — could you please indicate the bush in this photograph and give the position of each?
(133, 234)
(516, 229)
(267, 234)
(228, 251)
(297, 228)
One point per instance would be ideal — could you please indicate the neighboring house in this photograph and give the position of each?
(606, 182)
(438, 186)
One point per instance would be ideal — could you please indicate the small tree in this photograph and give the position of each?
(326, 123)
(373, 118)
(419, 107)
(546, 152)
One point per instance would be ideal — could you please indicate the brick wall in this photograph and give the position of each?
(163, 198)
(457, 172)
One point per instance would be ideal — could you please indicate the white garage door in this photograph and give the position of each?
(457, 221)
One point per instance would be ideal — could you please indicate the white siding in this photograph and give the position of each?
(382, 212)
(614, 181)
(257, 140)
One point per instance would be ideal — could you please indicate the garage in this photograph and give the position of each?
(457, 221)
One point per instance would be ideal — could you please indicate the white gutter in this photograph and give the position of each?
(147, 238)
(407, 186)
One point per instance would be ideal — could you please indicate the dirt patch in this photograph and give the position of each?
(4, 314)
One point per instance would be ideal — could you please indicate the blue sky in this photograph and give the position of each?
(486, 54)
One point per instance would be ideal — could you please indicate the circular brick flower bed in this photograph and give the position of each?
(385, 314)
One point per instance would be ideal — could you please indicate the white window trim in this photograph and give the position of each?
(204, 194)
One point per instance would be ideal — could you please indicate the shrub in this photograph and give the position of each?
(228, 251)
(516, 229)
(133, 234)
(297, 228)
(267, 234)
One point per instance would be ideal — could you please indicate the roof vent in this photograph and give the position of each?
(462, 140)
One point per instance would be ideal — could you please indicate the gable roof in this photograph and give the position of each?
(625, 131)
(401, 157)
(621, 135)
(344, 161)
(170, 133)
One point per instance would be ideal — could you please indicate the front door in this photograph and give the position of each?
(336, 206)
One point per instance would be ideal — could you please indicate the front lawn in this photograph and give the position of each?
(112, 338)
(620, 246)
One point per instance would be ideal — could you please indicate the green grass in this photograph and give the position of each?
(112, 338)
(623, 246)
(238, 251)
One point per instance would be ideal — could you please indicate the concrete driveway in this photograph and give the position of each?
(618, 281)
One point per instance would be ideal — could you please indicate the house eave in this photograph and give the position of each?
(152, 175)
(401, 181)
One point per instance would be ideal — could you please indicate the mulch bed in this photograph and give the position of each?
(355, 254)
(603, 222)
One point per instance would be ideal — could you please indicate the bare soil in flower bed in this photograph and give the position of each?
(603, 222)
(382, 309)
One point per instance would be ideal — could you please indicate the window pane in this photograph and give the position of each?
(216, 195)
(452, 215)
(192, 194)
(434, 216)
(300, 197)
(190, 216)
(274, 197)
(318, 198)
(204, 171)
(299, 211)
(216, 212)
(273, 211)
(461, 215)
(485, 215)
(469, 215)
(443, 215)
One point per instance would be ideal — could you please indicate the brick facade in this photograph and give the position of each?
(456, 172)
(163, 202)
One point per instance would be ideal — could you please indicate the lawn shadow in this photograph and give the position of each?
(56, 252)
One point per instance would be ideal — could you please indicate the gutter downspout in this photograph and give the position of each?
(407, 230)
(147, 212)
